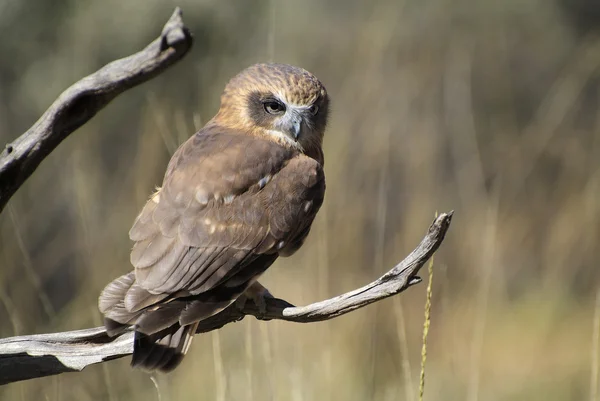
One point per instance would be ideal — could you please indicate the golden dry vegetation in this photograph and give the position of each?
(488, 108)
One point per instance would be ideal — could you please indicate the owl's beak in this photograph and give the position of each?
(291, 124)
(296, 126)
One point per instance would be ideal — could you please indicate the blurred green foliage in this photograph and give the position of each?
(488, 108)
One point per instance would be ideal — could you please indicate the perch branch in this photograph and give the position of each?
(27, 357)
(80, 102)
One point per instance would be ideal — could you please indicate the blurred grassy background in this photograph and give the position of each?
(489, 108)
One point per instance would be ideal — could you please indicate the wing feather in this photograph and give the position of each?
(216, 212)
(144, 226)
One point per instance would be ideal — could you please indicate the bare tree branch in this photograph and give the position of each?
(76, 105)
(27, 357)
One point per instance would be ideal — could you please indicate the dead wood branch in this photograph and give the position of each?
(27, 357)
(76, 105)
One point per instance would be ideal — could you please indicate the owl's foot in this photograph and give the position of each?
(257, 293)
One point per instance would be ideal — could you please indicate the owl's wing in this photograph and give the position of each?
(226, 200)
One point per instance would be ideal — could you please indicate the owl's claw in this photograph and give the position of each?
(258, 294)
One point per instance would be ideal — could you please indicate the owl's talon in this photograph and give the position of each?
(258, 294)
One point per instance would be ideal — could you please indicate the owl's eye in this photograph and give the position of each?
(274, 107)
(314, 109)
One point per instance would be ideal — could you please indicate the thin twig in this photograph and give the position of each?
(156, 387)
(426, 325)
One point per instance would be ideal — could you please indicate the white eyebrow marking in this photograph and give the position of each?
(281, 97)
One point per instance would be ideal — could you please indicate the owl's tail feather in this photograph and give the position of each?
(112, 305)
(163, 350)
(160, 342)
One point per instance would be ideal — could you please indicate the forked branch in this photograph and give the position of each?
(27, 357)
